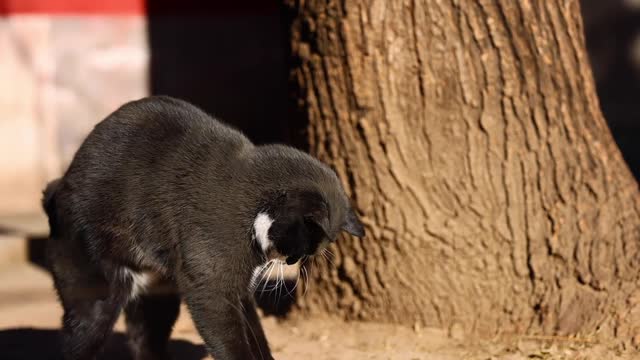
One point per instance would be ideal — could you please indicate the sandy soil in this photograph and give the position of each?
(30, 315)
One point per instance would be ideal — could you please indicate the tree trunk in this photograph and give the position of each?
(470, 137)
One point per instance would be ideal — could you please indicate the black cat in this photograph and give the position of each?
(161, 192)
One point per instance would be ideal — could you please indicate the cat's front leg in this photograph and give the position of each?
(219, 318)
(255, 334)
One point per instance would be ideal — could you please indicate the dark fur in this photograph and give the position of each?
(160, 186)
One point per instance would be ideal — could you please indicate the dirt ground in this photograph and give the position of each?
(30, 315)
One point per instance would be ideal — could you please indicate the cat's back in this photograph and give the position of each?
(157, 120)
(147, 152)
(154, 131)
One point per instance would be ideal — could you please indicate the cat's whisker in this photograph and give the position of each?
(300, 273)
(263, 273)
(309, 277)
(330, 254)
(326, 257)
(306, 280)
(282, 282)
(296, 284)
(314, 263)
(276, 286)
(266, 281)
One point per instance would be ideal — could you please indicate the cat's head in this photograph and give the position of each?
(298, 223)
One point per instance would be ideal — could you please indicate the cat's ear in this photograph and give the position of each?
(352, 224)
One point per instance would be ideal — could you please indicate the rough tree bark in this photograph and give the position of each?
(470, 136)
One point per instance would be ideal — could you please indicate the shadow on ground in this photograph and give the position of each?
(40, 344)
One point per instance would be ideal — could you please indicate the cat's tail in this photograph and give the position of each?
(49, 204)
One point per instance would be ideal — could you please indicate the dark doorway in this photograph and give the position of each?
(612, 30)
(227, 57)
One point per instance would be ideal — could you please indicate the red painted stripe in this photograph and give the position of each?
(137, 7)
(73, 7)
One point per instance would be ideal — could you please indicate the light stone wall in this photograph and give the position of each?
(59, 76)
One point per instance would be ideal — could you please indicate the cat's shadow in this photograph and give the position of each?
(41, 344)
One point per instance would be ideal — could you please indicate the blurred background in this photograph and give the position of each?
(66, 64)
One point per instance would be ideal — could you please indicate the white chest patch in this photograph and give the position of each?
(261, 226)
